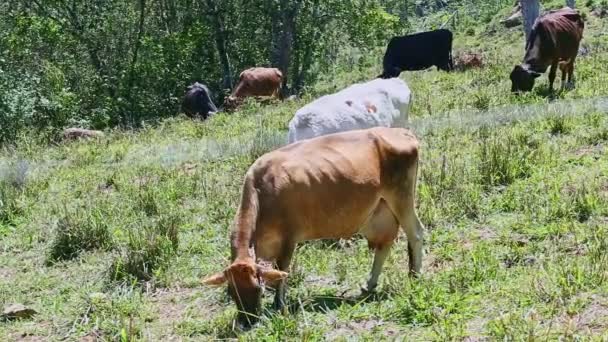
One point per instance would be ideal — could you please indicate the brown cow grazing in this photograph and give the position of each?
(553, 41)
(255, 82)
(332, 186)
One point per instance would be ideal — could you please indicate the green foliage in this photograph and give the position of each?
(104, 63)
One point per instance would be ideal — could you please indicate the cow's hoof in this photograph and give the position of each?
(569, 86)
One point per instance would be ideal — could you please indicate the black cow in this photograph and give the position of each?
(197, 101)
(417, 52)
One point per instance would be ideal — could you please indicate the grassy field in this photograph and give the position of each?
(109, 239)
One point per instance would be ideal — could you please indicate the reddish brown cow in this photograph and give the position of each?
(332, 186)
(255, 82)
(553, 41)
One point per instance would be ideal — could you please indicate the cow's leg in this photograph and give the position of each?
(283, 262)
(552, 74)
(571, 75)
(564, 71)
(403, 206)
(381, 233)
(415, 238)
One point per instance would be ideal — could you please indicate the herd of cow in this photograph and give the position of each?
(349, 166)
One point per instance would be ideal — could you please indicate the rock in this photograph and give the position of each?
(77, 133)
(18, 311)
(600, 12)
(515, 19)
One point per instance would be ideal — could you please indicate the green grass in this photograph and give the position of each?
(110, 238)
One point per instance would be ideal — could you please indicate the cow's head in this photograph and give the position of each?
(246, 281)
(522, 79)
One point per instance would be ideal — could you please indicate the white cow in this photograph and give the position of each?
(381, 102)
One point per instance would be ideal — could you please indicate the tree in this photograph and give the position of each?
(530, 10)
(217, 21)
(283, 36)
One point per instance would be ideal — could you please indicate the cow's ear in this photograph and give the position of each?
(270, 274)
(215, 280)
(534, 74)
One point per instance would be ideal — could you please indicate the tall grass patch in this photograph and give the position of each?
(78, 230)
(13, 178)
(504, 156)
(149, 248)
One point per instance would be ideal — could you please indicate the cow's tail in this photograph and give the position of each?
(246, 219)
(451, 60)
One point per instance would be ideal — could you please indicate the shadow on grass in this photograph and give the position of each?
(325, 303)
(556, 94)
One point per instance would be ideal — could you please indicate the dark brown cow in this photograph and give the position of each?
(553, 41)
(255, 82)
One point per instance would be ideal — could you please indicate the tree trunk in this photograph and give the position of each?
(140, 33)
(530, 10)
(570, 3)
(283, 35)
(302, 66)
(220, 41)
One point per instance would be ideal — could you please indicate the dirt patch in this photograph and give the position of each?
(143, 181)
(188, 169)
(172, 304)
(592, 319)
(6, 273)
(603, 190)
(355, 329)
(589, 150)
(475, 330)
(321, 281)
(93, 336)
(431, 264)
(486, 234)
(176, 305)
(26, 338)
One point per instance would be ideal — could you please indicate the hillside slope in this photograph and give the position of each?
(108, 239)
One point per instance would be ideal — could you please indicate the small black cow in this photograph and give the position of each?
(417, 52)
(553, 41)
(197, 101)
